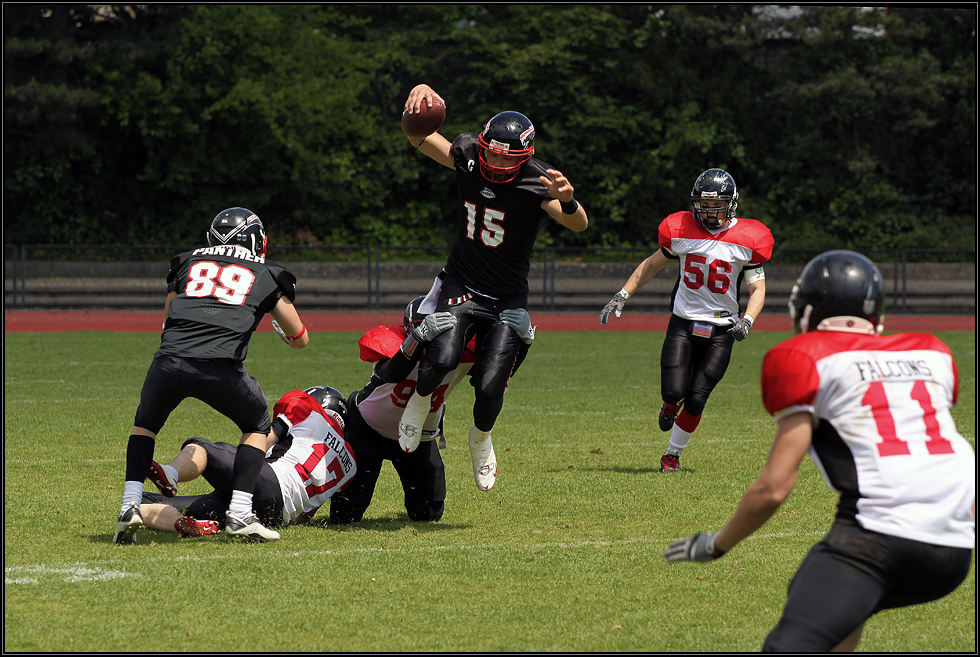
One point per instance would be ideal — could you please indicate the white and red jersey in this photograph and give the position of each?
(711, 263)
(381, 404)
(318, 461)
(883, 438)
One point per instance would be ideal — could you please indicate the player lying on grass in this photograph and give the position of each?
(372, 427)
(874, 414)
(307, 462)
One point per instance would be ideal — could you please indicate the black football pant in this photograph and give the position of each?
(853, 574)
(691, 366)
(220, 473)
(497, 349)
(422, 474)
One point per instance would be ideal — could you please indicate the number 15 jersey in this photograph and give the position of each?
(883, 437)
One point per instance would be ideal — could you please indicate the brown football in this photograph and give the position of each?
(424, 122)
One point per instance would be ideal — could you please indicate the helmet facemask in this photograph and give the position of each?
(497, 174)
(714, 218)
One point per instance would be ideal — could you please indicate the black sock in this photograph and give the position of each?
(139, 455)
(248, 463)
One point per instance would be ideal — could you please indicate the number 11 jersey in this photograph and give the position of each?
(883, 437)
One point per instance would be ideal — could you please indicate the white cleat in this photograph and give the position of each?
(410, 426)
(484, 459)
(248, 528)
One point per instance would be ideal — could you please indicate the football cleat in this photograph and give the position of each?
(484, 460)
(187, 526)
(668, 413)
(670, 463)
(127, 525)
(248, 528)
(158, 475)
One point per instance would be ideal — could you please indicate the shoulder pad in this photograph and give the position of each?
(284, 279)
(381, 343)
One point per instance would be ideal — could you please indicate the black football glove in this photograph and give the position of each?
(740, 328)
(617, 304)
(699, 547)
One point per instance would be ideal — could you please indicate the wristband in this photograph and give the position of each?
(419, 147)
(571, 207)
(750, 318)
(298, 335)
(623, 293)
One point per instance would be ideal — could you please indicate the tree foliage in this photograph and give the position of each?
(844, 127)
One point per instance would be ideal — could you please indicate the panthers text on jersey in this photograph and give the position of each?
(222, 294)
(498, 224)
(711, 263)
(317, 461)
(381, 404)
(883, 436)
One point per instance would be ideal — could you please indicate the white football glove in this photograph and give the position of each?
(520, 321)
(433, 325)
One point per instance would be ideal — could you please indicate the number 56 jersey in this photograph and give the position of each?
(883, 436)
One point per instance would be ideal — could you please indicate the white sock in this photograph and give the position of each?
(171, 472)
(241, 504)
(678, 440)
(478, 436)
(132, 492)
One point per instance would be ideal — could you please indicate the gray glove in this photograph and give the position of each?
(433, 325)
(616, 304)
(699, 547)
(520, 321)
(740, 328)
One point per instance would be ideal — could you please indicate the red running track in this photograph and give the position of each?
(142, 322)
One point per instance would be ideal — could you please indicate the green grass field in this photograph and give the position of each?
(564, 554)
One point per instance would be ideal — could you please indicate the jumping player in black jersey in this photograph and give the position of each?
(504, 196)
(216, 298)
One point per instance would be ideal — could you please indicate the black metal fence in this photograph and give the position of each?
(373, 257)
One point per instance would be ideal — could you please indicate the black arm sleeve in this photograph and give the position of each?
(397, 367)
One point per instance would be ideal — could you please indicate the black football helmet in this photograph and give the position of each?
(333, 401)
(714, 185)
(511, 134)
(412, 315)
(838, 291)
(239, 227)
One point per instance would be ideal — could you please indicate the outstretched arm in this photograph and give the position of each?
(640, 277)
(435, 145)
(761, 500)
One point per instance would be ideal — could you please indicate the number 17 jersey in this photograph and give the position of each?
(883, 437)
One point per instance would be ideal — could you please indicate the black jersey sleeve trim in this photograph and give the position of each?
(668, 254)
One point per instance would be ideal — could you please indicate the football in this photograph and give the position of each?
(424, 122)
